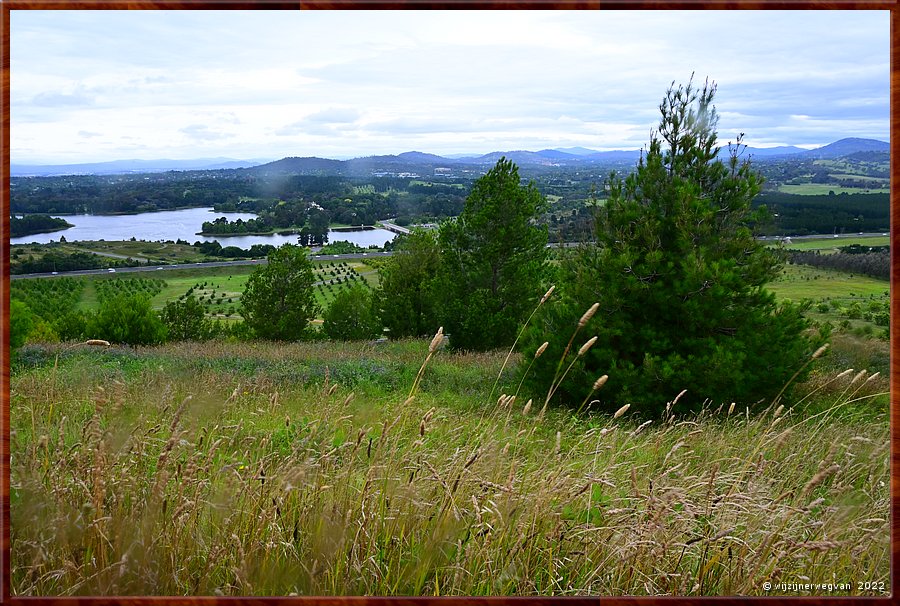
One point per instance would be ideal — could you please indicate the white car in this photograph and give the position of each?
(111, 270)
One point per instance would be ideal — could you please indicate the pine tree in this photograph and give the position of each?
(680, 281)
(493, 260)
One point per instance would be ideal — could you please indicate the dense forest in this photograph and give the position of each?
(35, 224)
(876, 263)
(794, 214)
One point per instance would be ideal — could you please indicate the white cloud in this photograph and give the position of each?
(264, 83)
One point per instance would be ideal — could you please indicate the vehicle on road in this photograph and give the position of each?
(111, 270)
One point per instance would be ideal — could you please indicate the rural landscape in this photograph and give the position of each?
(656, 372)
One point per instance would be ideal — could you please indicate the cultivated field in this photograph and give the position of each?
(219, 288)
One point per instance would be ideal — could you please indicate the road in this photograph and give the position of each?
(315, 257)
(162, 268)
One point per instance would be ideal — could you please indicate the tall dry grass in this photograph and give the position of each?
(179, 481)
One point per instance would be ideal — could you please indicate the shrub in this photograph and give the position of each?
(351, 316)
(127, 319)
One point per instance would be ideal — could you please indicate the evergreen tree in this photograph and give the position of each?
(679, 278)
(493, 260)
(351, 316)
(278, 301)
(186, 320)
(405, 298)
(127, 319)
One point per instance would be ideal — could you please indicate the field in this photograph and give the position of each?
(832, 244)
(824, 188)
(316, 469)
(152, 252)
(218, 288)
(226, 468)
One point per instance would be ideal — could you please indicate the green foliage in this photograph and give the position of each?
(405, 298)
(493, 260)
(341, 247)
(21, 321)
(35, 224)
(49, 297)
(351, 316)
(278, 301)
(127, 318)
(72, 326)
(679, 279)
(185, 320)
(108, 289)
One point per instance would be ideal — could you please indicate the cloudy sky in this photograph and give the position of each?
(104, 85)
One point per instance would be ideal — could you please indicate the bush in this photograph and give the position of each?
(127, 319)
(21, 321)
(351, 316)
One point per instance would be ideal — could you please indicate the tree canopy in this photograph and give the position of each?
(493, 260)
(278, 301)
(405, 298)
(679, 281)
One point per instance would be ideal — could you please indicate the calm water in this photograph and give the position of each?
(181, 225)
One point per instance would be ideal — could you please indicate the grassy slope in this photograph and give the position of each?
(271, 469)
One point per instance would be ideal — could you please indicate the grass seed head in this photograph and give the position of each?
(621, 411)
(541, 350)
(588, 315)
(436, 341)
(590, 342)
(818, 353)
(547, 294)
(600, 382)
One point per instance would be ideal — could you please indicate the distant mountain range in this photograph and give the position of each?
(121, 167)
(420, 161)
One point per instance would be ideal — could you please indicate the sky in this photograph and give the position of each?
(91, 86)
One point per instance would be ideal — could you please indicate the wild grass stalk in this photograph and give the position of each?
(376, 495)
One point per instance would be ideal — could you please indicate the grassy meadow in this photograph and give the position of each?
(400, 468)
(313, 469)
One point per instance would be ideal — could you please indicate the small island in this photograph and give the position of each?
(308, 220)
(28, 225)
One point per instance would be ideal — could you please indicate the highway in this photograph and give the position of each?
(316, 257)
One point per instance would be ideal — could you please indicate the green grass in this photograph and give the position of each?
(831, 244)
(805, 282)
(264, 469)
(810, 189)
(220, 283)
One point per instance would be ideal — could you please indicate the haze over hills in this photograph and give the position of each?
(411, 160)
(119, 167)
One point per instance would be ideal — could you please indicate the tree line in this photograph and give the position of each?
(875, 264)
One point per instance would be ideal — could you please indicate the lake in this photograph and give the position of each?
(182, 225)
